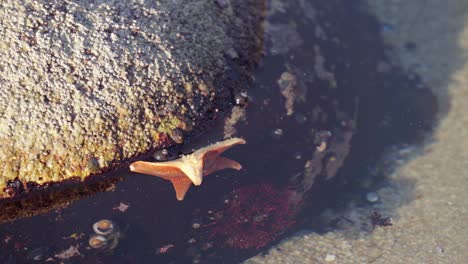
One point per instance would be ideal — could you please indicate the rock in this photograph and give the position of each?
(88, 85)
(372, 197)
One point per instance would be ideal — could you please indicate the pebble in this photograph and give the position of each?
(372, 197)
(330, 257)
(177, 135)
(241, 99)
(439, 250)
(277, 133)
(161, 155)
(232, 53)
(322, 147)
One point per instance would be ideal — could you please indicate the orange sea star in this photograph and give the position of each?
(191, 168)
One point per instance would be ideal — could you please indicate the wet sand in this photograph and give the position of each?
(426, 194)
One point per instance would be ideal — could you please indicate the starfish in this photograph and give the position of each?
(191, 168)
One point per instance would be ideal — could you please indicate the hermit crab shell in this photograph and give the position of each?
(97, 241)
(104, 227)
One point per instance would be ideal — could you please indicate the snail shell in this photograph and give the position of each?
(97, 241)
(104, 227)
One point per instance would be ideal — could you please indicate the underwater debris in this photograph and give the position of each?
(378, 220)
(122, 207)
(72, 251)
(164, 249)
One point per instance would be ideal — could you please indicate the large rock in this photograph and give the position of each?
(88, 85)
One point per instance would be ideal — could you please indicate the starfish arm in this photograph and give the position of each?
(222, 163)
(181, 186)
(165, 170)
(217, 148)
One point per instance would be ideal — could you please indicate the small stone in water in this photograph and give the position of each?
(277, 133)
(177, 135)
(372, 197)
(322, 147)
(161, 155)
(439, 250)
(241, 99)
(232, 53)
(330, 257)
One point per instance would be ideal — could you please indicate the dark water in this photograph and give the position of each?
(348, 95)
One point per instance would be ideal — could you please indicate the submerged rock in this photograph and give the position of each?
(89, 85)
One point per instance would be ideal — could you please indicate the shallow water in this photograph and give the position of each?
(347, 94)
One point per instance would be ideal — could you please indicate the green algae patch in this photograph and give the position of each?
(87, 86)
